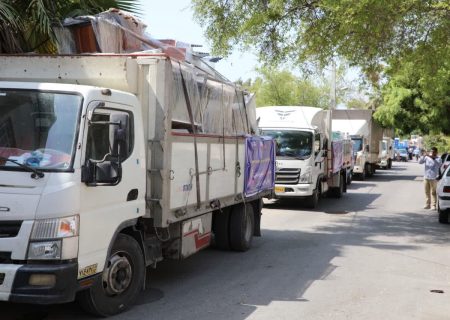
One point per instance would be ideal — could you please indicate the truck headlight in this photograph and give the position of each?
(55, 228)
(46, 250)
(306, 178)
(49, 236)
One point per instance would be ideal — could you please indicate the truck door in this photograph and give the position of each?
(319, 165)
(113, 179)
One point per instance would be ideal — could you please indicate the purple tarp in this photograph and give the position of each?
(259, 165)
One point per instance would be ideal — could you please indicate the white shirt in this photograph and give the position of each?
(431, 167)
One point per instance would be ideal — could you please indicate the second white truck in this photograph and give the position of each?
(308, 163)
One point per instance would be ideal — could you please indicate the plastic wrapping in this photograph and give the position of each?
(217, 107)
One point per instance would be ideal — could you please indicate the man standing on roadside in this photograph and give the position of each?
(432, 165)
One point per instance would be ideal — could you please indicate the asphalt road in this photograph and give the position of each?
(373, 254)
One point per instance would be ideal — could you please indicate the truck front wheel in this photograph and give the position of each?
(312, 201)
(120, 283)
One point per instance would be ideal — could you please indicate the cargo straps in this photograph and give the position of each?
(194, 131)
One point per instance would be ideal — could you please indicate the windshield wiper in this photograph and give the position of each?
(36, 173)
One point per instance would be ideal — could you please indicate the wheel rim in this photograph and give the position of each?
(118, 275)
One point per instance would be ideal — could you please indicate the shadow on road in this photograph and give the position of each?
(232, 284)
(281, 266)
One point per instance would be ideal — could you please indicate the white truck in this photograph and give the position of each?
(366, 135)
(386, 153)
(308, 163)
(110, 163)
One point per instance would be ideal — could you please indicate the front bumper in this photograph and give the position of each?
(15, 286)
(358, 169)
(296, 190)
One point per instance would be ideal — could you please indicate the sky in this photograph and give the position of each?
(175, 21)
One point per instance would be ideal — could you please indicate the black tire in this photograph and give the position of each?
(369, 170)
(363, 175)
(389, 166)
(221, 227)
(443, 216)
(242, 222)
(116, 289)
(339, 191)
(350, 178)
(344, 181)
(312, 201)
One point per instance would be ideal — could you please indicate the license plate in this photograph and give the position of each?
(279, 189)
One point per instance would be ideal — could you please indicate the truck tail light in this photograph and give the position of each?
(446, 189)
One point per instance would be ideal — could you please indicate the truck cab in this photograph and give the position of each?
(62, 143)
(300, 150)
(386, 153)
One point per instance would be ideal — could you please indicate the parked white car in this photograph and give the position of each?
(443, 192)
(445, 162)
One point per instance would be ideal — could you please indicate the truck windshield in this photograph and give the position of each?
(357, 144)
(292, 143)
(37, 129)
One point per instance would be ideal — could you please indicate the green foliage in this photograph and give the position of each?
(282, 88)
(410, 37)
(26, 25)
(417, 95)
(441, 142)
(364, 31)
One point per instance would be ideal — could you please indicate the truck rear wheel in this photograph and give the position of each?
(221, 228)
(241, 227)
(120, 283)
(339, 191)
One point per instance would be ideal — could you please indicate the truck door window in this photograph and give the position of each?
(99, 144)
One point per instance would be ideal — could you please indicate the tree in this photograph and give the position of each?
(365, 32)
(26, 25)
(409, 37)
(281, 87)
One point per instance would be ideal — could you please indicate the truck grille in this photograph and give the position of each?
(287, 176)
(9, 229)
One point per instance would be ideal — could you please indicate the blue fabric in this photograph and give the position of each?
(259, 165)
(431, 167)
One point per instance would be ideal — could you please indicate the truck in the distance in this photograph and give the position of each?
(111, 163)
(366, 135)
(309, 163)
(387, 153)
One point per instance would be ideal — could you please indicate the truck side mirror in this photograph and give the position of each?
(367, 148)
(101, 172)
(106, 169)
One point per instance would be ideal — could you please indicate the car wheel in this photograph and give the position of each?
(443, 215)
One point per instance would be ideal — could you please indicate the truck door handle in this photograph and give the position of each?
(132, 195)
